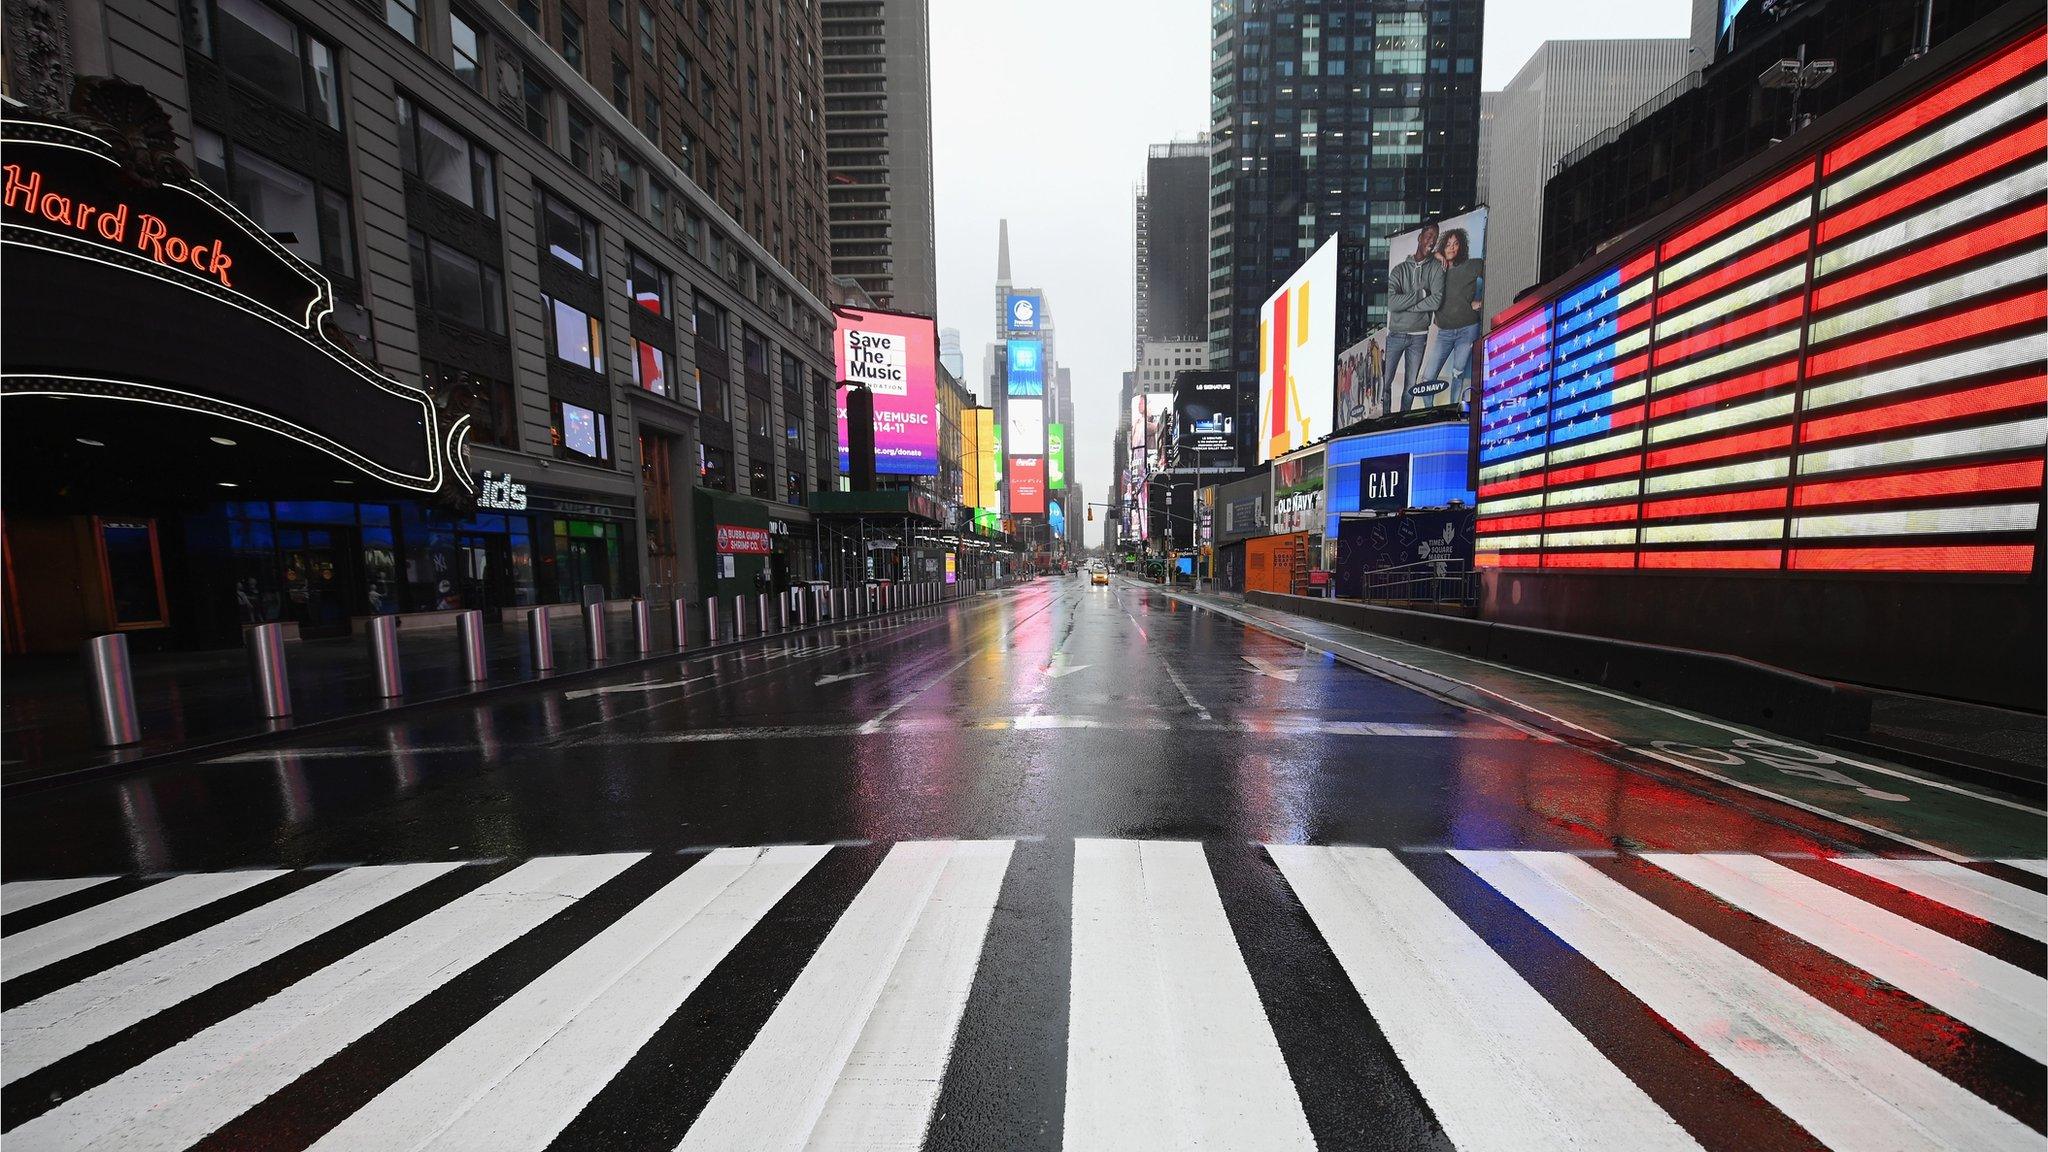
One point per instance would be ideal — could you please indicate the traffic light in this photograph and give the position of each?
(1091, 514)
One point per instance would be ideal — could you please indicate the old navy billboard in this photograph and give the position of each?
(896, 356)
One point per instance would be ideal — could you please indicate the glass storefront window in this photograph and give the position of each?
(134, 573)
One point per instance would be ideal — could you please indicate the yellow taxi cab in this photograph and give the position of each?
(1098, 576)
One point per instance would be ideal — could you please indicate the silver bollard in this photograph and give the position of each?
(710, 621)
(739, 616)
(266, 663)
(593, 632)
(383, 632)
(682, 626)
(761, 608)
(469, 636)
(540, 641)
(781, 613)
(112, 682)
(643, 627)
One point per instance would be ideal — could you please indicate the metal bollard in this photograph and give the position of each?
(682, 626)
(781, 613)
(112, 683)
(469, 636)
(383, 632)
(593, 632)
(643, 627)
(761, 608)
(711, 621)
(739, 616)
(266, 663)
(540, 642)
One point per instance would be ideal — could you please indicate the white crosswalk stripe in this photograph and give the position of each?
(1168, 1042)
(25, 894)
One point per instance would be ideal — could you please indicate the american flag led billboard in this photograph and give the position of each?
(1837, 367)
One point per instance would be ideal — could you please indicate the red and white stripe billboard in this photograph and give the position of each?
(1838, 367)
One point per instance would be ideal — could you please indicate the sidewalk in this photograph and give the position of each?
(1866, 785)
(193, 700)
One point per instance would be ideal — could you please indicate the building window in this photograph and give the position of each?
(538, 101)
(711, 397)
(622, 87)
(650, 369)
(756, 347)
(465, 50)
(657, 203)
(444, 159)
(580, 433)
(264, 49)
(308, 218)
(404, 18)
(714, 468)
(457, 286)
(572, 39)
(647, 283)
(495, 419)
(570, 235)
(629, 181)
(618, 11)
(759, 416)
(650, 113)
(579, 143)
(574, 336)
(761, 477)
(647, 31)
(529, 14)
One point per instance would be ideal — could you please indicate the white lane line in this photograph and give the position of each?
(1185, 694)
(875, 725)
(1967, 890)
(1168, 1045)
(520, 1075)
(25, 894)
(1998, 999)
(48, 1029)
(1478, 1041)
(1847, 1086)
(64, 938)
(176, 1098)
(854, 1054)
(2037, 867)
(1041, 722)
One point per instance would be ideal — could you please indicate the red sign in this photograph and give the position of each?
(745, 541)
(1027, 485)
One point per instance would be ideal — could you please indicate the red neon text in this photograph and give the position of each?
(153, 237)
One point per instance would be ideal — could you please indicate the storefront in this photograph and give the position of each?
(191, 446)
(1240, 514)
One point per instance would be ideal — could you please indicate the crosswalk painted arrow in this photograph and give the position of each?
(1059, 666)
(1265, 667)
(836, 677)
(642, 686)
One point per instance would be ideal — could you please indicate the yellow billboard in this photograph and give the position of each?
(985, 456)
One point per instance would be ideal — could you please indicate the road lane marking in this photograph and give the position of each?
(179, 1096)
(63, 938)
(516, 1078)
(1847, 1086)
(836, 678)
(1185, 694)
(1168, 1045)
(1996, 998)
(1058, 667)
(854, 1053)
(45, 1030)
(655, 686)
(2037, 867)
(1265, 667)
(1965, 889)
(1478, 1041)
(22, 895)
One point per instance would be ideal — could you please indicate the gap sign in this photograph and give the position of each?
(1383, 483)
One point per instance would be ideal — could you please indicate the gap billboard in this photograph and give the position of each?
(896, 356)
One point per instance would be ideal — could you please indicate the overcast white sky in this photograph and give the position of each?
(1041, 114)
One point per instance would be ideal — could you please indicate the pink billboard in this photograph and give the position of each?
(896, 356)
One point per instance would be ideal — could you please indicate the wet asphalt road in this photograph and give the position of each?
(1125, 801)
(1056, 709)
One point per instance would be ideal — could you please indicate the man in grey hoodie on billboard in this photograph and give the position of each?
(1415, 289)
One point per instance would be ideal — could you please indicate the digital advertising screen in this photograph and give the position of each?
(988, 454)
(1837, 367)
(1022, 311)
(1027, 485)
(1137, 425)
(896, 356)
(1205, 420)
(1026, 368)
(1298, 492)
(1298, 356)
(1027, 428)
(1159, 429)
(1436, 276)
(1056, 455)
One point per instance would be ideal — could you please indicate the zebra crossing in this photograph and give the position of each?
(813, 996)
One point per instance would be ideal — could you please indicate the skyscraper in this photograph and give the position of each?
(1567, 93)
(878, 149)
(1357, 118)
(1170, 240)
(949, 353)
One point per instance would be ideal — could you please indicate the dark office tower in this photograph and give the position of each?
(878, 147)
(1170, 230)
(1352, 117)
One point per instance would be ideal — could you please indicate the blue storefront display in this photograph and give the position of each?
(1433, 461)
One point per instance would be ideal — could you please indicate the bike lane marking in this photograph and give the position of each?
(1931, 816)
